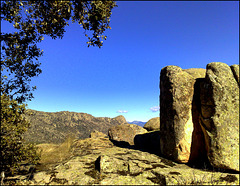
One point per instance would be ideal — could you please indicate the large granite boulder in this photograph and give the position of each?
(153, 124)
(176, 96)
(220, 115)
(123, 135)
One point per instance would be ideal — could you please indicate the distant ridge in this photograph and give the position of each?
(140, 123)
(54, 127)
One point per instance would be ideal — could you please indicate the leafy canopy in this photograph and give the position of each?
(35, 18)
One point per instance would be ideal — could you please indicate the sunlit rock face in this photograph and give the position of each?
(220, 115)
(199, 111)
(176, 96)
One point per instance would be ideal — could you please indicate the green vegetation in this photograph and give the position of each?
(13, 149)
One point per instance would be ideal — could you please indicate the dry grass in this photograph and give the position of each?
(54, 153)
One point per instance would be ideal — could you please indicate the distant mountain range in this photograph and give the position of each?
(54, 127)
(140, 123)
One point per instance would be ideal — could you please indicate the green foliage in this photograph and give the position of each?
(32, 20)
(13, 149)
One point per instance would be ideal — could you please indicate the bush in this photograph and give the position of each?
(13, 125)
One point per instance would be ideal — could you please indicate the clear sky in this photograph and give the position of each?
(122, 78)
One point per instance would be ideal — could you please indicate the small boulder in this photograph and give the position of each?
(124, 134)
(153, 124)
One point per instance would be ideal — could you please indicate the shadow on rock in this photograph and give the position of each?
(148, 142)
(122, 144)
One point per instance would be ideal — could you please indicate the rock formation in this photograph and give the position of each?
(124, 134)
(153, 124)
(199, 111)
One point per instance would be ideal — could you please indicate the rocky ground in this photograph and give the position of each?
(97, 160)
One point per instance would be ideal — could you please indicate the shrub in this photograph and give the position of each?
(13, 125)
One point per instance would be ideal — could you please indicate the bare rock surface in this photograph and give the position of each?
(220, 115)
(54, 127)
(153, 124)
(96, 161)
(124, 134)
(176, 96)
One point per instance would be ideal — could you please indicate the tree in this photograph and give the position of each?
(13, 125)
(19, 60)
(32, 20)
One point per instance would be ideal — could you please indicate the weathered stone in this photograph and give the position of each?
(176, 94)
(235, 70)
(124, 134)
(220, 116)
(196, 72)
(153, 124)
(106, 164)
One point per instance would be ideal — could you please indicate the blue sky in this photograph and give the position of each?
(122, 78)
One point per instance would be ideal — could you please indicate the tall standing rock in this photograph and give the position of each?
(176, 93)
(220, 116)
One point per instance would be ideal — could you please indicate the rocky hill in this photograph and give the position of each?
(54, 127)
